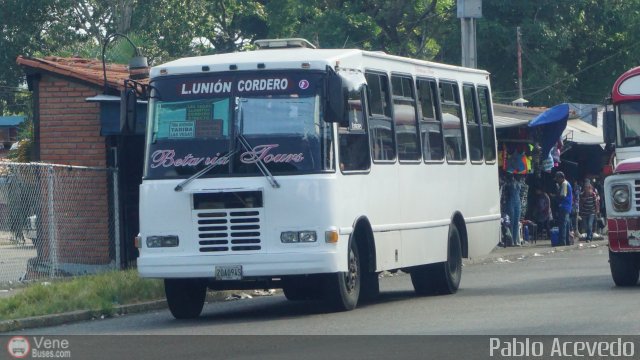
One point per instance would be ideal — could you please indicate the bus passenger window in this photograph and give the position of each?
(488, 137)
(473, 122)
(452, 121)
(404, 117)
(430, 121)
(380, 122)
(354, 142)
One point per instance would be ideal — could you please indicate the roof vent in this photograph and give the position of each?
(284, 43)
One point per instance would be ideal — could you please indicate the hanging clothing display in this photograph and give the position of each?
(516, 159)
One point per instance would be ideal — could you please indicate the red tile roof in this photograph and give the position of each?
(89, 70)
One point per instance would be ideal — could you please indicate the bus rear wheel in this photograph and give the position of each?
(342, 289)
(185, 297)
(441, 278)
(624, 268)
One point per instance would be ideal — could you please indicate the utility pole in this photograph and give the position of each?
(519, 35)
(520, 101)
(468, 12)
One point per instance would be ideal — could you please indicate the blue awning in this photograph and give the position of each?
(11, 121)
(552, 115)
(552, 122)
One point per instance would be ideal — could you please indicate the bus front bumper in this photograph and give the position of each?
(253, 265)
(624, 234)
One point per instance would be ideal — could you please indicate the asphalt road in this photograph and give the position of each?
(563, 293)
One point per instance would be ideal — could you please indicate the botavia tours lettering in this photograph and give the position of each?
(167, 158)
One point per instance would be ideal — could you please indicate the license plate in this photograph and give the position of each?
(229, 272)
(634, 237)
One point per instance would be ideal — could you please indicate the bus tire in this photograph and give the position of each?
(441, 278)
(185, 297)
(342, 289)
(624, 268)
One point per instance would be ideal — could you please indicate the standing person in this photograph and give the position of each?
(542, 211)
(565, 199)
(512, 195)
(588, 208)
(575, 207)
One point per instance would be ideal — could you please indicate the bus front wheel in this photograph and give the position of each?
(343, 288)
(624, 268)
(444, 277)
(185, 297)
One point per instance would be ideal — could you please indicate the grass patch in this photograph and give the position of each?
(92, 292)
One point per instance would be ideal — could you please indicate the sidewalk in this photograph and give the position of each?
(498, 255)
(540, 247)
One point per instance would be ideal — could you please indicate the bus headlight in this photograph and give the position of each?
(307, 236)
(620, 196)
(298, 236)
(162, 241)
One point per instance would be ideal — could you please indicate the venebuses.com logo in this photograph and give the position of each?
(18, 347)
(21, 347)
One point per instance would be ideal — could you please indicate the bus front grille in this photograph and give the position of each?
(229, 230)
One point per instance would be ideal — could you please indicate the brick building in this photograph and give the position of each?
(76, 122)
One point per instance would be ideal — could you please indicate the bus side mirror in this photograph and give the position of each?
(128, 102)
(336, 99)
(609, 127)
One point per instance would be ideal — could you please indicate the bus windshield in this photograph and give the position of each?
(629, 123)
(283, 130)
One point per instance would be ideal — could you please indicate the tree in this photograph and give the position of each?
(405, 27)
(572, 50)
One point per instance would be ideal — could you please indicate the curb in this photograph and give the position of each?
(76, 316)
(85, 315)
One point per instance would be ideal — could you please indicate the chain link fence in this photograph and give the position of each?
(57, 221)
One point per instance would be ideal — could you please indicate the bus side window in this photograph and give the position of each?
(380, 123)
(404, 117)
(430, 123)
(354, 141)
(452, 121)
(488, 137)
(473, 123)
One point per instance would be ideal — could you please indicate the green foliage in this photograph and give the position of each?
(96, 292)
(31, 27)
(572, 50)
(406, 27)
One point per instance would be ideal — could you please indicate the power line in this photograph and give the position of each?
(571, 76)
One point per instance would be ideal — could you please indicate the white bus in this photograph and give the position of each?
(314, 170)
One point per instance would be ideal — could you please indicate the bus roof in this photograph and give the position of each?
(293, 58)
(627, 87)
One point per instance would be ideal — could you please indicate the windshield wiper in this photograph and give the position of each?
(259, 163)
(180, 186)
(247, 147)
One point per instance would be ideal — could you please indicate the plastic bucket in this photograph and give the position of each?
(555, 236)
